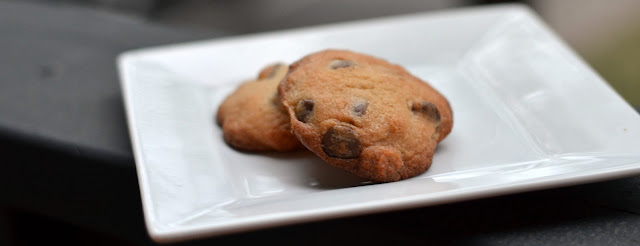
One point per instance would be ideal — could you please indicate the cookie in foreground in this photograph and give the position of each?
(364, 114)
(252, 117)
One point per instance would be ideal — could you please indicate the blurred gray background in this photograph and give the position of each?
(605, 33)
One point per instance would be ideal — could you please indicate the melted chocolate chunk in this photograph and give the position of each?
(360, 108)
(427, 109)
(341, 142)
(304, 109)
(335, 64)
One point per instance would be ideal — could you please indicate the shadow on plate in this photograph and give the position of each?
(320, 174)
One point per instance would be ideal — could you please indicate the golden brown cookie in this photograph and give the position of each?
(365, 115)
(252, 118)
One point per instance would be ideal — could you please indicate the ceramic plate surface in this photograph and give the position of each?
(528, 114)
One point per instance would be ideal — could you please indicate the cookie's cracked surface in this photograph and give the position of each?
(365, 115)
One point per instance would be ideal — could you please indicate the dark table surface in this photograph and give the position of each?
(67, 154)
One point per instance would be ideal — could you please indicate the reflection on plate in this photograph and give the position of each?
(529, 114)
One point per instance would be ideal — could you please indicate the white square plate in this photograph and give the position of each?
(528, 114)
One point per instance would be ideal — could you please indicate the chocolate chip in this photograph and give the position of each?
(304, 109)
(335, 64)
(274, 71)
(360, 108)
(428, 109)
(341, 142)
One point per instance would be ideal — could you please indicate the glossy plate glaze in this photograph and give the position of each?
(528, 114)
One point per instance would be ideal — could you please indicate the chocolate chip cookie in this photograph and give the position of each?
(253, 119)
(365, 115)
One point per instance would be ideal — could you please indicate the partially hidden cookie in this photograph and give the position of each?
(365, 115)
(253, 119)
